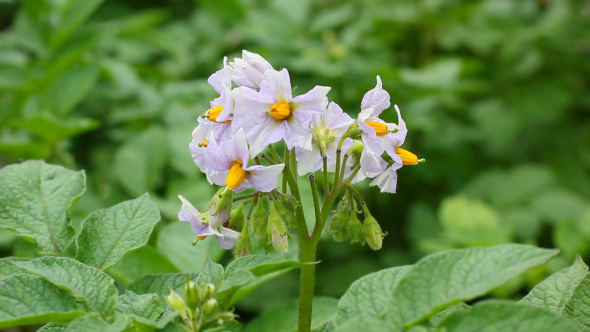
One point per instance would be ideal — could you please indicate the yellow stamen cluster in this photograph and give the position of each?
(213, 113)
(202, 237)
(380, 128)
(204, 143)
(280, 111)
(236, 176)
(408, 158)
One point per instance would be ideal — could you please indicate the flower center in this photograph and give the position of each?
(236, 176)
(380, 128)
(280, 111)
(202, 237)
(213, 113)
(408, 158)
(204, 143)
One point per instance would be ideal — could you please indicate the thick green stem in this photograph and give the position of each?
(307, 283)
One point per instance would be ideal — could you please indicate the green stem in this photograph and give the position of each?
(316, 199)
(325, 171)
(306, 285)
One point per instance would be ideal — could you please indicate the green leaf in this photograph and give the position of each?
(95, 287)
(572, 236)
(212, 273)
(139, 263)
(70, 88)
(53, 327)
(472, 223)
(578, 306)
(138, 164)
(160, 283)
(88, 323)
(284, 318)
(72, 14)
(52, 129)
(35, 199)
(108, 234)
(439, 317)
(442, 279)
(369, 295)
(506, 316)
(7, 267)
(439, 74)
(365, 324)
(150, 306)
(175, 242)
(239, 272)
(556, 291)
(29, 299)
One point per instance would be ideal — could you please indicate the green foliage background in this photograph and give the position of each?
(496, 95)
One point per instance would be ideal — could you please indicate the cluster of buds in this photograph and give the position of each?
(199, 308)
(255, 115)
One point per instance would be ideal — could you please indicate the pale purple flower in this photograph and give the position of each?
(205, 224)
(327, 128)
(249, 70)
(272, 114)
(221, 77)
(230, 161)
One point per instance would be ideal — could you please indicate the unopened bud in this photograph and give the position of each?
(176, 302)
(356, 149)
(353, 131)
(210, 307)
(277, 231)
(236, 219)
(372, 232)
(259, 220)
(355, 228)
(285, 207)
(243, 242)
(339, 220)
(191, 295)
(208, 292)
(227, 316)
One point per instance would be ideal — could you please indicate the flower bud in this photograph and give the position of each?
(353, 131)
(208, 292)
(259, 220)
(243, 242)
(191, 295)
(176, 303)
(210, 307)
(372, 232)
(339, 220)
(355, 228)
(227, 316)
(277, 231)
(285, 206)
(236, 219)
(356, 149)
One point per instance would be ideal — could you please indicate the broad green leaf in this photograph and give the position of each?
(139, 263)
(212, 273)
(108, 234)
(150, 306)
(7, 267)
(72, 14)
(439, 74)
(365, 324)
(160, 283)
(442, 279)
(53, 327)
(439, 317)
(53, 129)
(239, 272)
(139, 162)
(572, 236)
(95, 287)
(88, 323)
(284, 318)
(472, 223)
(175, 242)
(71, 87)
(578, 306)
(35, 199)
(30, 299)
(506, 316)
(369, 295)
(555, 292)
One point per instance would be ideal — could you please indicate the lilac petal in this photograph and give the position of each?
(372, 164)
(264, 178)
(403, 129)
(228, 237)
(376, 98)
(308, 161)
(279, 85)
(189, 213)
(220, 77)
(314, 100)
(387, 180)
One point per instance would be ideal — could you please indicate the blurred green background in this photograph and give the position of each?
(496, 95)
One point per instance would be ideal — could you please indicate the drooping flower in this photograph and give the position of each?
(230, 161)
(272, 113)
(208, 223)
(326, 128)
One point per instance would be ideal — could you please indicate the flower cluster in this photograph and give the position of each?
(256, 113)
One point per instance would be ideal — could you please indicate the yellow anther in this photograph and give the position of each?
(202, 237)
(204, 143)
(213, 113)
(280, 111)
(235, 177)
(380, 128)
(408, 158)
